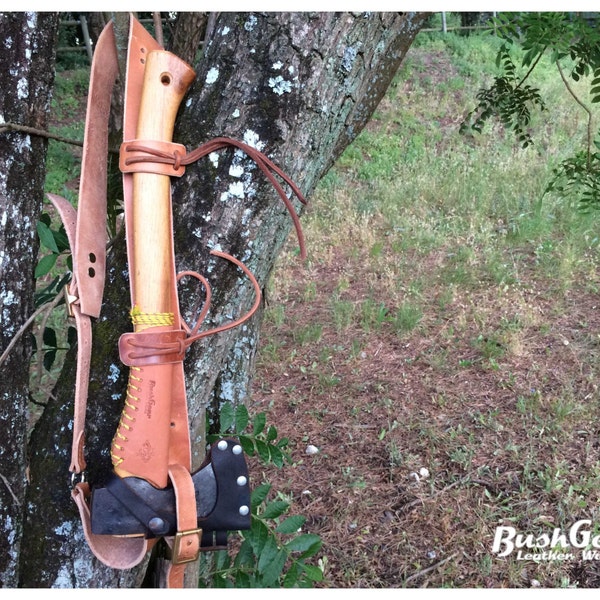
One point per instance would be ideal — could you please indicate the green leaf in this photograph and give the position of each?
(247, 444)
(269, 551)
(258, 536)
(263, 450)
(260, 493)
(45, 265)
(241, 418)
(61, 239)
(291, 577)
(46, 237)
(274, 568)
(243, 580)
(277, 456)
(303, 542)
(275, 509)
(226, 417)
(260, 420)
(49, 359)
(244, 557)
(312, 572)
(312, 550)
(49, 337)
(221, 560)
(291, 524)
(271, 433)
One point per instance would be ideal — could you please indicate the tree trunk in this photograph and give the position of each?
(26, 74)
(300, 87)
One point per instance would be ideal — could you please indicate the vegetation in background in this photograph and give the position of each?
(572, 44)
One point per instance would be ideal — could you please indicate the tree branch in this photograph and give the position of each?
(535, 62)
(429, 569)
(49, 306)
(40, 132)
(587, 110)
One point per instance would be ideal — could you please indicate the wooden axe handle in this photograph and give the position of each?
(166, 80)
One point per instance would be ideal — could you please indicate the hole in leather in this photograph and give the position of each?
(92, 257)
(91, 272)
(165, 78)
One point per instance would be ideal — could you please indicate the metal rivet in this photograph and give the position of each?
(241, 481)
(222, 445)
(244, 510)
(156, 524)
(237, 449)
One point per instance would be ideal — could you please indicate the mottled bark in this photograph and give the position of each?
(188, 34)
(26, 75)
(298, 86)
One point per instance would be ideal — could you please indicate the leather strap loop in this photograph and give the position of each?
(185, 546)
(152, 348)
(152, 156)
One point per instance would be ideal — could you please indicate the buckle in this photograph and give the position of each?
(74, 476)
(177, 546)
(70, 300)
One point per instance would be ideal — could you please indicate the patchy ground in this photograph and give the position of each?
(425, 444)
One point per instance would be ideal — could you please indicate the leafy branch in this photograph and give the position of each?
(47, 298)
(274, 552)
(561, 36)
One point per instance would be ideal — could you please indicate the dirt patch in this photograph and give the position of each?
(427, 439)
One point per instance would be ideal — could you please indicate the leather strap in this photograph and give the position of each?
(83, 325)
(89, 256)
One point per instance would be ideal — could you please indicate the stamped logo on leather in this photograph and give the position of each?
(146, 451)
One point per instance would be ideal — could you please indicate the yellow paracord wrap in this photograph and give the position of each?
(151, 319)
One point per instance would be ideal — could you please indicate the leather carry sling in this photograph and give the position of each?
(152, 493)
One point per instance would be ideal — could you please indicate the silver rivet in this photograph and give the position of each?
(241, 480)
(156, 524)
(222, 445)
(244, 510)
(237, 449)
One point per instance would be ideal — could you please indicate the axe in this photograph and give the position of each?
(151, 493)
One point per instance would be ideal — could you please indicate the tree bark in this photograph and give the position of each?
(298, 86)
(26, 75)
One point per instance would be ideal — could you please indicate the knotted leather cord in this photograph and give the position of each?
(181, 345)
(155, 155)
(267, 166)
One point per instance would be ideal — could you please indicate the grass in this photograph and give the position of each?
(460, 334)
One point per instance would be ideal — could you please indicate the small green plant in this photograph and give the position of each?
(407, 317)
(46, 342)
(274, 552)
